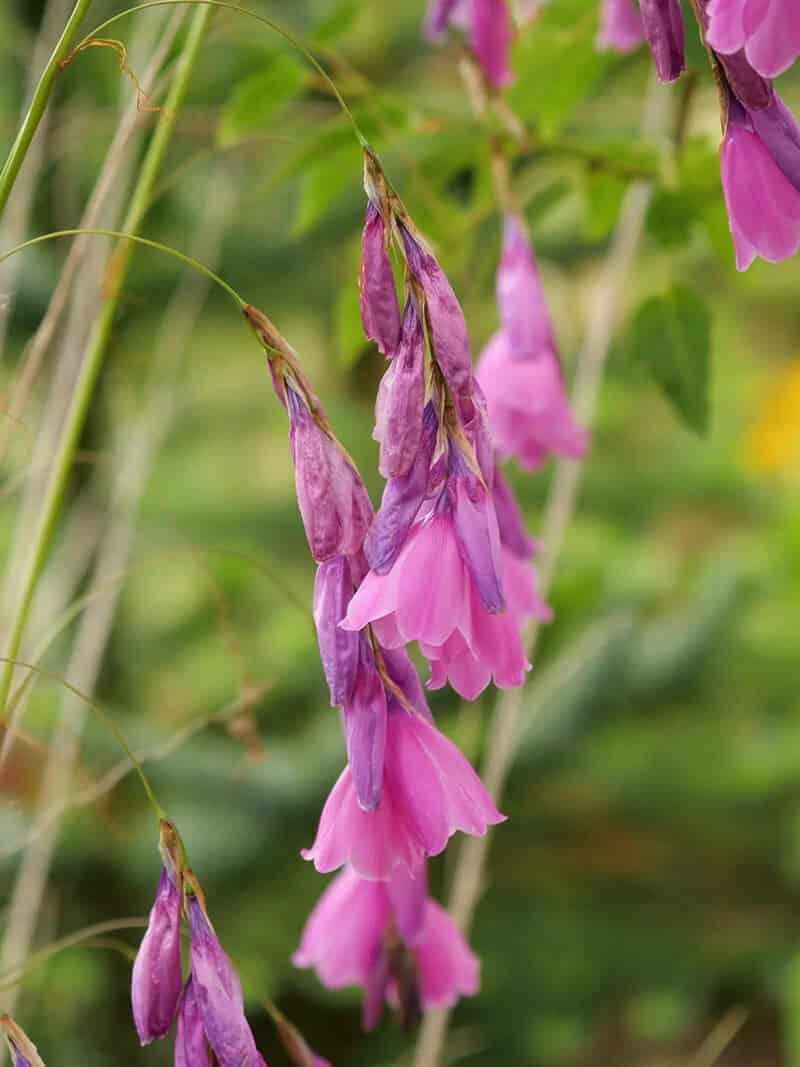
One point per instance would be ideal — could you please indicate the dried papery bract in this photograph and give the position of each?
(23, 1051)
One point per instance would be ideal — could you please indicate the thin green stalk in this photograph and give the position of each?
(289, 37)
(19, 149)
(97, 344)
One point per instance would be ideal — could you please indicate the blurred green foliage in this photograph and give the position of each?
(646, 883)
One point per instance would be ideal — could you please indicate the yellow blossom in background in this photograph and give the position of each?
(772, 443)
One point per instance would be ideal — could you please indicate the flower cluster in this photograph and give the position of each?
(750, 43)
(208, 1009)
(487, 24)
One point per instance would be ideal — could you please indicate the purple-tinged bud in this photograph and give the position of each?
(491, 39)
(445, 317)
(219, 995)
(620, 26)
(663, 27)
(509, 519)
(23, 1050)
(402, 498)
(520, 297)
(440, 14)
(476, 531)
(380, 314)
(191, 1044)
(365, 729)
(156, 980)
(401, 400)
(763, 202)
(333, 501)
(338, 649)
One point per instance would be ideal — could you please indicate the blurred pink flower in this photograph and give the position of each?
(621, 27)
(488, 23)
(156, 980)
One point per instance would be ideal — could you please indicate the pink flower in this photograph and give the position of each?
(489, 26)
(444, 591)
(767, 30)
(620, 26)
(156, 979)
(761, 182)
(520, 583)
(528, 408)
(429, 792)
(348, 940)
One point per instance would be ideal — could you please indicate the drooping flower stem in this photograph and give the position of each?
(41, 96)
(468, 878)
(98, 343)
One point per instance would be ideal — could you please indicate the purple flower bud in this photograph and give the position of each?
(476, 531)
(663, 27)
(520, 297)
(763, 202)
(20, 1060)
(156, 980)
(365, 729)
(445, 317)
(620, 26)
(401, 399)
(439, 17)
(402, 498)
(219, 995)
(509, 519)
(333, 501)
(380, 314)
(333, 587)
(491, 39)
(191, 1046)
(404, 674)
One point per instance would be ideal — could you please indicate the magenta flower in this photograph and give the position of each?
(429, 792)
(521, 586)
(218, 995)
(334, 504)
(349, 940)
(663, 28)
(401, 399)
(380, 315)
(767, 30)
(528, 408)
(191, 1046)
(156, 980)
(488, 24)
(621, 27)
(760, 165)
(444, 590)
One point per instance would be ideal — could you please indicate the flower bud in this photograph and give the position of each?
(476, 531)
(338, 649)
(401, 399)
(365, 729)
(663, 27)
(23, 1050)
(156, 979)
(333, 501)
(219, 995)
(520, 296)
(380, 314)
(191, 1045)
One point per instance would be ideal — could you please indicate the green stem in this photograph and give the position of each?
(97, 344)
(190, 261)
(289, 37)
(19, 149)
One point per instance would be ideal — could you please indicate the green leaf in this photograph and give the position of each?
(259, 98)
(671, 335)
(603, 193)
(324, 182)
(557, 64)
(338, 22)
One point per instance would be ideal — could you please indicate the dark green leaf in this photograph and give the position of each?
(671, 335)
